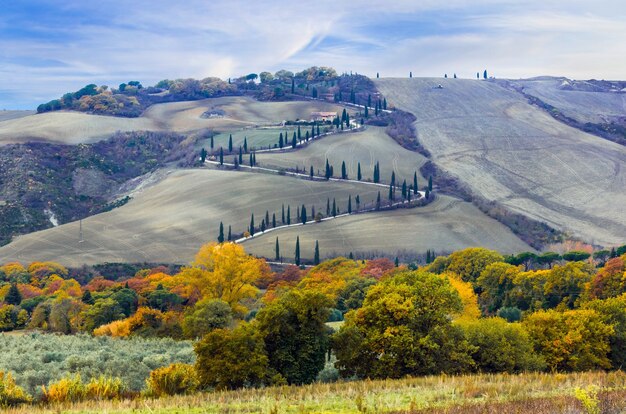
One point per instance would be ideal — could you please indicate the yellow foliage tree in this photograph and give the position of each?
(468, 298)
(224, 271)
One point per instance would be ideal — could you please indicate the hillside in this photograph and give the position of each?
(514, 153)
(166, 222)
(76, 127)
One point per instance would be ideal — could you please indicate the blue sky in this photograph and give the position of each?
(50, 47)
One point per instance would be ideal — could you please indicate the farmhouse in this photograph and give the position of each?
(323, 116)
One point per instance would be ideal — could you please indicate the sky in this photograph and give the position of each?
(49, 47)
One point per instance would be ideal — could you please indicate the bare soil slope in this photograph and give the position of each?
(512, 152)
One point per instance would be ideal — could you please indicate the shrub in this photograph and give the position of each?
(105, 388)
(511, 314)
(10, 393)
(67, 389)
(172, 380)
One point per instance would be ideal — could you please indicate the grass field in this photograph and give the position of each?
(512, 152)
(525, 393)
(77, 127)
(256, 137)
(445, 225)
(367, 147)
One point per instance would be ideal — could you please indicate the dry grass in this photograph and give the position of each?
(516, 154)
(536, 393)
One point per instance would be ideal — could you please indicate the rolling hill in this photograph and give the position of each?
(169, 220)
(514, 153)
(235, 113)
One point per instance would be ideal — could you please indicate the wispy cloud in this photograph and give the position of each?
(47, 47)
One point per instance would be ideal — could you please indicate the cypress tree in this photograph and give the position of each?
(13, 296)
(254, 159)
(351, 256)
(344, 173)
(303, 214)
(240, 155)
(393, 178)
(221, 156)
(378, 201)
(283, 214)
(410, 74)
(397, 262)
(252, 225)
(349, 204)
(236, 162)
(367, 114)
(299, 134)
(485, 74)
(311, 173)
(267, 217)
(408, 193)
(390, 193)
(277, 248)
(251, 161)
(334, 210)
(273, 219)
(202, 155)
(307, 136)
(358, 202)
(245, 144)
(212, 143)
(230, 143)
(327, 207)
(385, 104)
(293, 85)
(87, 298)
(377, 75)
(220, 236)
(327, 173)
(230, 234)
(343, 115)
(316, 256)
(430, 183)
(404, 189)
(293, 140)
(281, 143)
(288, 215)
(297, 252)
(312, 131)
(427, 194)
(369, 101)
(415, 181)
(263, 226)
(358, 172)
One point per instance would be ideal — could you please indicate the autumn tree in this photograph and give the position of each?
(469, 263)
(224, 271)
(576, 340)
(295, 334)
(403, 329)
(205, 316)
(229, 359)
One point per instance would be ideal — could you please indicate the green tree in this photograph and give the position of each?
(251, 229)
(281, 142)
(230, 234)
(205, 316)
(294, 143)
(87, 298)
(469, 263)
(430, 183)
(358, 172)
(349, 204)
(229, 359)
(221, 156)
(163, 300)
(245, 144)
(303, 214)
(295, 334)
(240, 155)
(403, 328)
(203, 154)
(230, 143)
(288, 215)
(277, 249)
(344, 173)
(485, 74)
(13, 296)
(576, 256)
(212, 143)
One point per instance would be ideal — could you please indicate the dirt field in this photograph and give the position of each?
(368, 147)
(76, 127)
(445, 225)
(583, 105)
(169, 221)
(512, 152)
